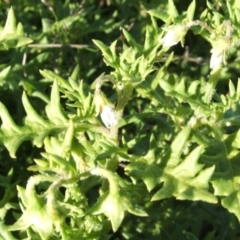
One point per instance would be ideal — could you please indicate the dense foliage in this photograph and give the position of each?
(119, 120)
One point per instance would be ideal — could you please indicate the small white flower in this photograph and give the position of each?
(216, 60)
(174, 35)
(169, 40)
(108, 116)
(219, 51)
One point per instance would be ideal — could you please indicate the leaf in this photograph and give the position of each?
(50, 75)
(191, 10)
(131, 41)
(174, 153)
(33, 118)
(104, 49)
(8, 193)
(226, 178)
(53, 109)
(35, 215)
(12, 36)
(232, 90)
(74, 78)
(172, 10)
(4, 233)
(36, 128)
(184, 179)
(10, 25)
(112, 206)
(159, 14)
(149, 173)
(186, 187)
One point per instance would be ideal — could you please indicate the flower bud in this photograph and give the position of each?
(107, 115)
(175, 33)
(105, 109)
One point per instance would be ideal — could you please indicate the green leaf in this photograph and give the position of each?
(50, 75)
(186, 187)
(112, 206)
(54, 109)
(113, 50)
(185, 179)
(9, 192)
(174, 153)
(74, 78)
(23, 41)
(131, 41)
(12, 36)
(4, 232)
(172, 10)
(104, 49)
(191, 10)
(232, 90)
(8, 125)
(10, 25)
(35, 215)
(10, 132)
(226, 179)
(159, 14)
(149, 173)
(33, 118)
(35, 128)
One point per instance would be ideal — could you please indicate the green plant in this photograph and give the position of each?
(118, 154)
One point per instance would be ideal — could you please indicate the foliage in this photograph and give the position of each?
(121, 132)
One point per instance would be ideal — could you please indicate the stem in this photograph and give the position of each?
(199, 23)
(123, 97)
(57, 45)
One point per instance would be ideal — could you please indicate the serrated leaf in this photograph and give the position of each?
(177, 147)
(11, 135)
(33, 118)
(36, 128)
(226, 180)
(189, 167)
(149, 173)
(185, 179)
(112, 206)
(34, 215)
(186, 188)
(8, 125)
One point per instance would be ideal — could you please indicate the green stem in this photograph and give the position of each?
(123, 97)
